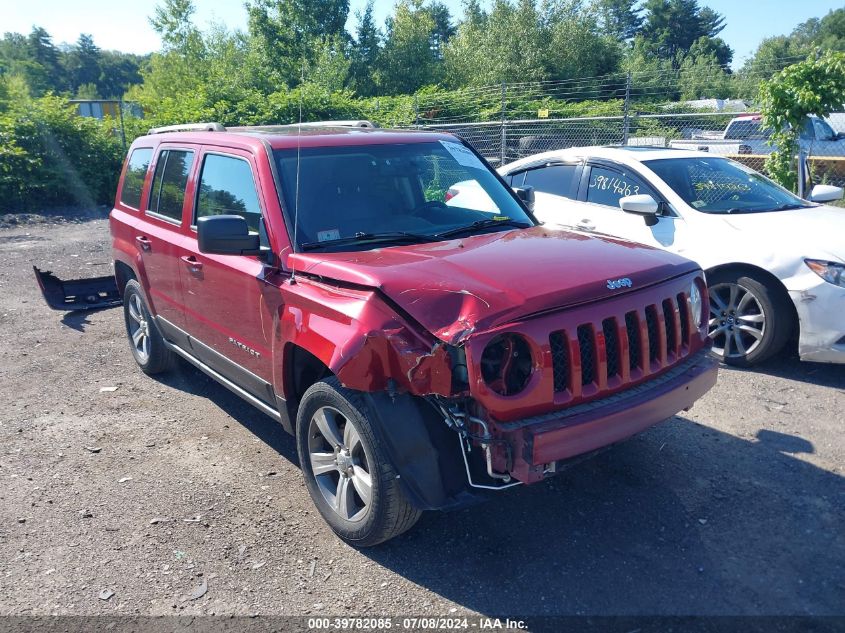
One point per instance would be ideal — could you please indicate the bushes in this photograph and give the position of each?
(50, 156)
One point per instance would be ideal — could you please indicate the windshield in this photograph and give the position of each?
(719, 185)
(362, 196)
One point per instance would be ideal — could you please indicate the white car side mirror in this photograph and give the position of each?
(642, 204)
(825, 193)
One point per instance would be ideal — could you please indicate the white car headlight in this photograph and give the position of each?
(831, 272)
(695, 305)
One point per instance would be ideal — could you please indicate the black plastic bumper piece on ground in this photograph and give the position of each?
(78, 294)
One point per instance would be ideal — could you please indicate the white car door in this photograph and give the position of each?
(602, 186)
(555, 189)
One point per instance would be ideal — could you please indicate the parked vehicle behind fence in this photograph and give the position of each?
(746, 135)
(423, 351)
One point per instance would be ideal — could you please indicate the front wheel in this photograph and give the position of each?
(750, 321)
(346, 471)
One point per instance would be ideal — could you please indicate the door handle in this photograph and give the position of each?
(145, 242)
(585, 225)
(192, 262)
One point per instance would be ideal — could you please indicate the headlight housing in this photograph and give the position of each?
(696, 305)
(831, 272)
(506, 364)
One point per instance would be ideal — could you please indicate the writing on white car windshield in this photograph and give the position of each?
(370, 196)
(719, 185)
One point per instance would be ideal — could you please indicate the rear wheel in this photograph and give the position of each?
(146, 342)
(749, 319)
(346, 471)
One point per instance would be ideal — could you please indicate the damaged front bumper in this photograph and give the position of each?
(78, 294)
(538, 443)
(822, 327)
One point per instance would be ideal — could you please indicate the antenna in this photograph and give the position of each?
(298, 156)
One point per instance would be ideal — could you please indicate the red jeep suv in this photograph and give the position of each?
(422, 352)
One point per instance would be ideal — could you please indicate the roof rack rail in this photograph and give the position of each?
(351, 123)
(212, 126)
(362, 123)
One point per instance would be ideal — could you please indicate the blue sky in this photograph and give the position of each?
(123, 25)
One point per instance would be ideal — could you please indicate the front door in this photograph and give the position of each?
(230, 324)
(601, 189)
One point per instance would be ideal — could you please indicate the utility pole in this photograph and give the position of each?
(626, 121)
(504, 139)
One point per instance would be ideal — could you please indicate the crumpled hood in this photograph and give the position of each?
(456, 287)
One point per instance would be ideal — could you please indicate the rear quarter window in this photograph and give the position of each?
(551, 179)
(133, 179)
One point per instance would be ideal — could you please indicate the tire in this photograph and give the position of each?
(148, 348)
(750, 320)
(336, 439)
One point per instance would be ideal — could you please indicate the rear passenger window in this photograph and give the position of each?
(227, 188)
(133, 180)
(553, 179)
(167, 195)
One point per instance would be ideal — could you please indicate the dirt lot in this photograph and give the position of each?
(737, 507)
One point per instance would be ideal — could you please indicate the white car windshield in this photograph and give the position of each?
(719, 185)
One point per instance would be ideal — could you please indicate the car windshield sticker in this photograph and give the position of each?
(463, 155)
(331, 234)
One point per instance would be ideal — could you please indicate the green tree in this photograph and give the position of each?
(365, 51)
(119, 71)
(671, 27)
(577, 46)
(286, 33)
(777, 52)
(407, 61)
(443, 30)
(620, 19)
(83, 63)
(173, 21)
(509, 43)
(812, 87)
(43, 52)
(331, 64)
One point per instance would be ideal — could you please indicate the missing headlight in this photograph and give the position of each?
(506, 364)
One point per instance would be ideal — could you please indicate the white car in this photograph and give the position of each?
(775, 263)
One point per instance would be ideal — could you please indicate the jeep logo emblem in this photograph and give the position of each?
(614, 284)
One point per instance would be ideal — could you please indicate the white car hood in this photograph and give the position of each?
(817, 232)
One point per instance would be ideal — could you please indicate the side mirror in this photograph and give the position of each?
(526, 194)
(642, 204)
(226, 235)
(825, 193)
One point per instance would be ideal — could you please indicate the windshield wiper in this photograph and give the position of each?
(483, 224)
(788, 206)
(367, 238)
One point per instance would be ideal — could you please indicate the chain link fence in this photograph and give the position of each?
(511, 121)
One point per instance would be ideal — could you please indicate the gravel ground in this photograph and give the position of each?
(156, 490)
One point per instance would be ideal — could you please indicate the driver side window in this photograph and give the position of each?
(606, 186)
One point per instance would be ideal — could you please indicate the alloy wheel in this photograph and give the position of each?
(339, 464)
(139, 328)
(737, 320)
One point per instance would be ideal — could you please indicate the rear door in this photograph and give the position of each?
(229, 322)
(159, 235)
(555, 190)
